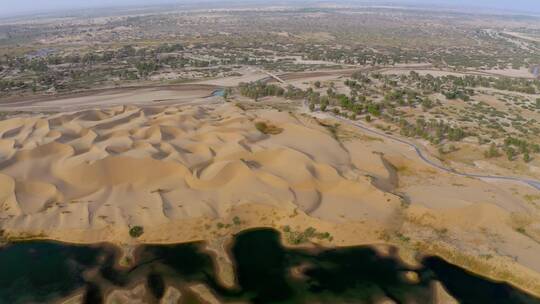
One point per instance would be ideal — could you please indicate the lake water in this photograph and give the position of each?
(40, 272)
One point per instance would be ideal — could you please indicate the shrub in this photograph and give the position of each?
(324, 106)
(136, 231)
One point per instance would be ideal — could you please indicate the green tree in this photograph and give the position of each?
(324, 104)
(526, 157)
(136, 231)
(510, 153)
(374, 110)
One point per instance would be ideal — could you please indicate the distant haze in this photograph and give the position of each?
(16, 7)
(530, 6)
(12, 7)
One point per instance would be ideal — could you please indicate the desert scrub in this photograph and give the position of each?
(222, 225)
(300, 237)
(267, 128)
(136, 231)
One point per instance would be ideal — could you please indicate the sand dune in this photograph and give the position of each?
(128, 166)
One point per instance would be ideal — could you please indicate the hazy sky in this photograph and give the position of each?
(13, 7)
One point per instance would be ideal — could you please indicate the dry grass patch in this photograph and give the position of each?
(345, 133)
(524, 224)
(531, 198)
(463, 153)
(403, 169)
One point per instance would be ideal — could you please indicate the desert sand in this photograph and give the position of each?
(129, 166)
(205, 171)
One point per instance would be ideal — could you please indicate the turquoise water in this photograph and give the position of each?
(219, 93)
(41, 272)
